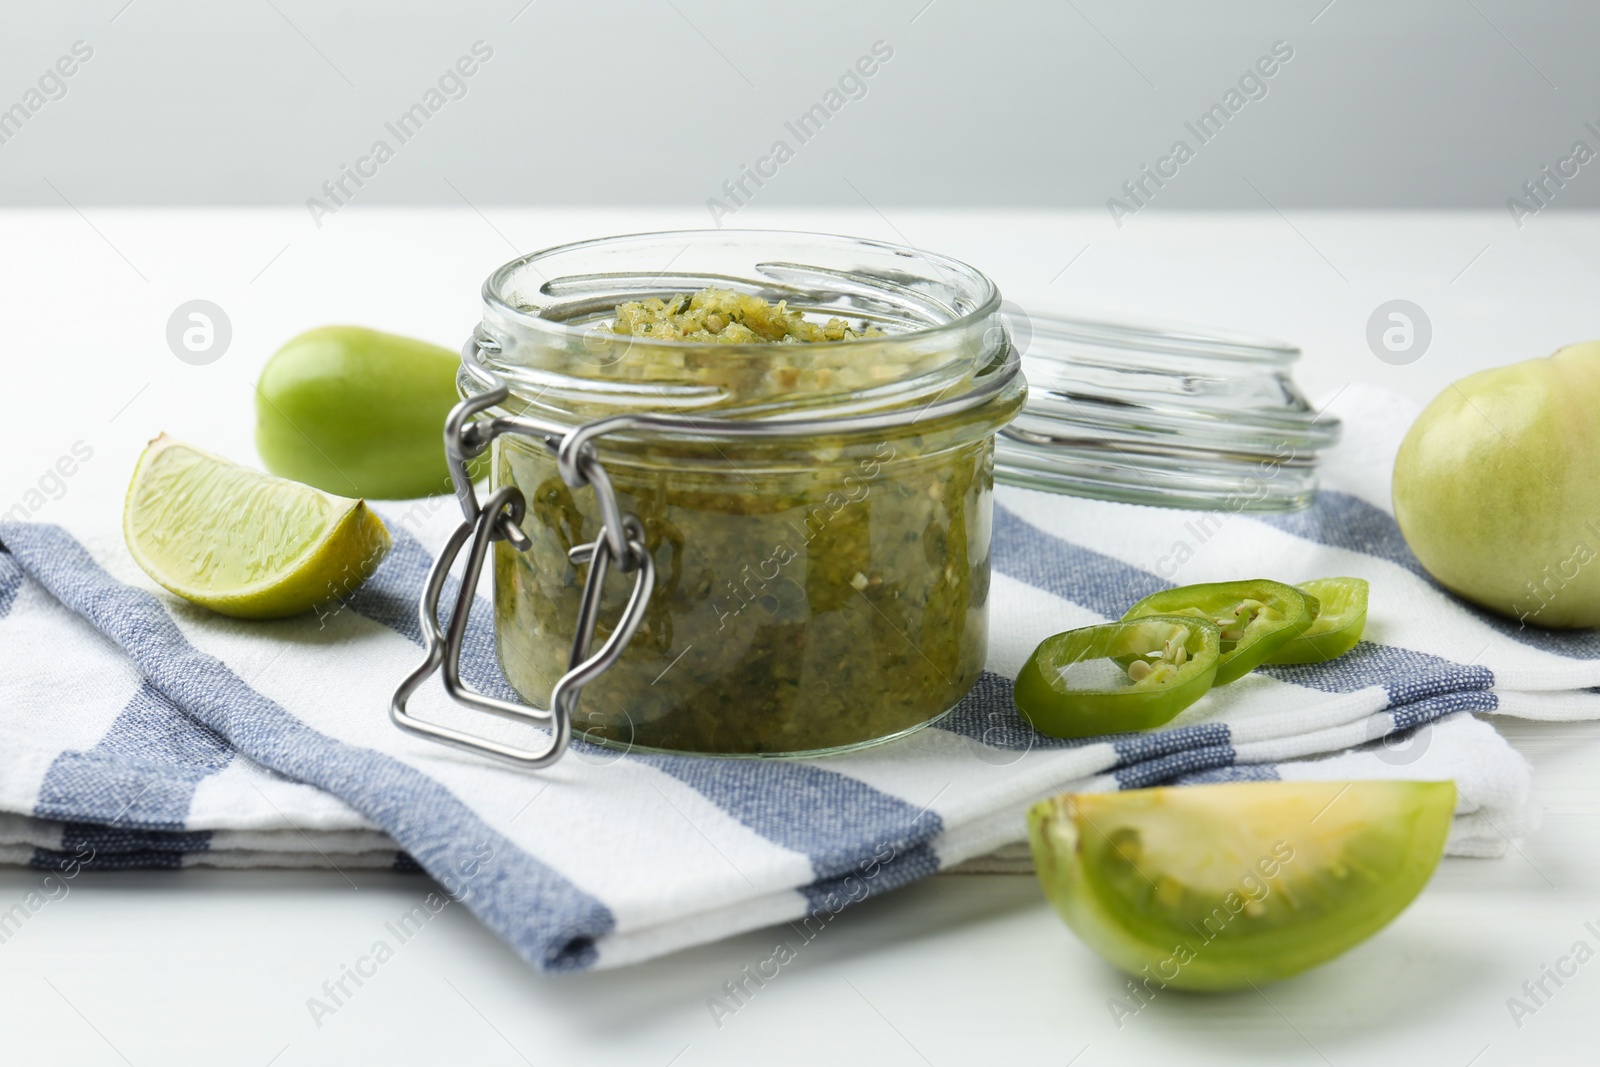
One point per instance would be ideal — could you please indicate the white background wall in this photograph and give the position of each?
(1425, 103)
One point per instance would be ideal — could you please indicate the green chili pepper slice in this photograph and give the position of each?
(1341, 618)
(1256, 617)
(1118, 676)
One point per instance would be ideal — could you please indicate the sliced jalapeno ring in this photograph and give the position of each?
(1118, 676)
(1255, 617)
(1341, 618)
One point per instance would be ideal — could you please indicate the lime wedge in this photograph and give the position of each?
(241, 542)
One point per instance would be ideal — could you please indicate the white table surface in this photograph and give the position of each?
(212, 967)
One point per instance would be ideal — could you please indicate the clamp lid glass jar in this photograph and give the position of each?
(816, 516)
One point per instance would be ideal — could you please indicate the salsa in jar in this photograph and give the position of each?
(815, 591)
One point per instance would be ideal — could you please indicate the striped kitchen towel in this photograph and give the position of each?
(138, 730)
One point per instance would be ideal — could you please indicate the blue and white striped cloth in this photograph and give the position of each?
(137, 730)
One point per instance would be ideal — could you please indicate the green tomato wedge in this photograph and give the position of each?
(1117, 677)
(1341, 618)
(1215, 887)
(1256, 617)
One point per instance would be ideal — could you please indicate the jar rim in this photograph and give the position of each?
(986, 297)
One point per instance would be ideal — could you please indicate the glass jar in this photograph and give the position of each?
(817, 587)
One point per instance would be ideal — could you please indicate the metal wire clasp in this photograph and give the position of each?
(619, 541)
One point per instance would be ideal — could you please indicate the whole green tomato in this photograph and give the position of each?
(1497, 488)
(357, 412)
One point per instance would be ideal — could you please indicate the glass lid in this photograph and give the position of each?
(1173, 416)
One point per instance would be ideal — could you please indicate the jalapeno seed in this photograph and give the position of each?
(1254, 618)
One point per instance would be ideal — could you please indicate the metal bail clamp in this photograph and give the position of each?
(619, 541)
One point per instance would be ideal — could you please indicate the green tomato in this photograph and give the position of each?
(1216, 887)
(356, 412)
(1497, 488)
(1117, 677)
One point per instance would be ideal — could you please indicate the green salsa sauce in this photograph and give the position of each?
(810, 595)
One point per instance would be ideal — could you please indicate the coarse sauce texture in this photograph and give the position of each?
(722, 316)
(810, 595)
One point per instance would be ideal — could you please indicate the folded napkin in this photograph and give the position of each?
(139, 730)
